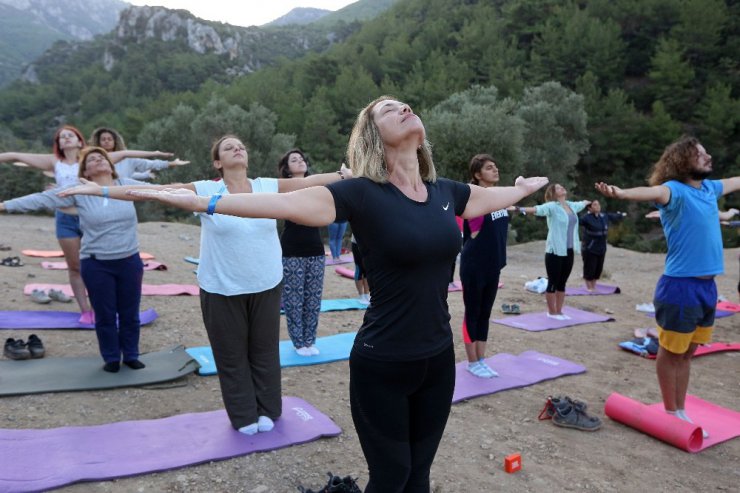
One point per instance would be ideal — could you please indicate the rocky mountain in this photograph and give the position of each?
(299, 16)
(29, 27)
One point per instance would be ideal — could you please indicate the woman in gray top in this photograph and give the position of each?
(109, 256)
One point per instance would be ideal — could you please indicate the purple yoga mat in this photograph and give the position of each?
(525, 369)
(536, 322)
(36, 460)
(601, 289)
(56, 320)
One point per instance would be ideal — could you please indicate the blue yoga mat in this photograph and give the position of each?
(340, 305)
(333, 348)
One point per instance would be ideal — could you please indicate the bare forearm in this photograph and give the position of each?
(40, 161)
(310, 207)
(730, 185)
(484, 201)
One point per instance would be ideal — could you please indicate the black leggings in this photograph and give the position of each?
(400, 410)
(558, 270)
(593, 265)
(479, 294)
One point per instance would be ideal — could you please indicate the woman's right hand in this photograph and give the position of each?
(87, 188)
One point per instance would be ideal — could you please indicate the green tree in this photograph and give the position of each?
(671, 78)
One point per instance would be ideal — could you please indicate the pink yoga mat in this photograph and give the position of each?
(146, 289)
(727, 306)
(148, 265)
(59, 253)
(601, 289)
(715, 347)
(722, 424)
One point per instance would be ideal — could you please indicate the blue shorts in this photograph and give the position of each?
(684, 311)
(67, 225)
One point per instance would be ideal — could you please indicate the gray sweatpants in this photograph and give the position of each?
(244, 332)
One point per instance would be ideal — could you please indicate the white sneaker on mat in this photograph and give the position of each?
(314, 350)
(303, 351)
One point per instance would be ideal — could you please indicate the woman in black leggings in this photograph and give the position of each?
(402, 365)
(562, 242)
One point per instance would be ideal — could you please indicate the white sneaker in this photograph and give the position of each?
(303, 351)
(556, 317)
(565, 317)
(479, 370)
(488, 368)
(314, 350)
(362, 299)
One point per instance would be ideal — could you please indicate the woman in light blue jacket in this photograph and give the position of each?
(562, 243)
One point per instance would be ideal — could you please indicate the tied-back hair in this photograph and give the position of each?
(216, 153)
(94, 150)
(476, 165)
(58, 151)
(284, 166)
(550, 192)
(366, 153)
(676, 163)
(118, 143)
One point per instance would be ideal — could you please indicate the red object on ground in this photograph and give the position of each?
(513, 463)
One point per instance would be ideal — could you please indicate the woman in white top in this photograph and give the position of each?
(240, 274)
(63, 162)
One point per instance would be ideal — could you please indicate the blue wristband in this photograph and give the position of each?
(212, 204)
(106, 193)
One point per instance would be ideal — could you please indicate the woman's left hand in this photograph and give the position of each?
(178, 197)
(178, 162)
(346, 172)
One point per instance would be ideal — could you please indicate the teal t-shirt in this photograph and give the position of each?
(691, 226)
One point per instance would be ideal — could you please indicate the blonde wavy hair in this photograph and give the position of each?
(366, 152)
(676, 163)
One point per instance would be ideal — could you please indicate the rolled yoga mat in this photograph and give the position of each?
(56, 320)
(86, 373)
(727, 306)
(146, 289)
(601, 290)
(333, 348)
(722, 424)
(148, 265)
(714, 347)
(536, 322)
(514, 371)
(38, 460)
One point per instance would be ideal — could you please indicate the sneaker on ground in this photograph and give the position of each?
(40, 297)
(479, 370)
(35, 346)
(567, 415)
(16, 349)
(58, 295)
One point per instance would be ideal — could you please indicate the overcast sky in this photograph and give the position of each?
(240, 12)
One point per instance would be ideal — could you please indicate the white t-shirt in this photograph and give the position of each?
(66, 174)
(238, 255)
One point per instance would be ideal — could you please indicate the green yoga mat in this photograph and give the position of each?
(35, 376)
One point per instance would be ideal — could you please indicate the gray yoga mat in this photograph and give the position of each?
(86, 373)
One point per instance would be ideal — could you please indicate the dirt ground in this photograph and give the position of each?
(480, 432)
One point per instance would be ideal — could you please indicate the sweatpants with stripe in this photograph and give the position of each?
(244, 332)
(303, 283)
(114, 288)
(400, 410)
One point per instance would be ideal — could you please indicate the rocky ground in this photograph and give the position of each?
(480, 432)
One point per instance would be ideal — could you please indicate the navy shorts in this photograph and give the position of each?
(67, 225)
(684, 311)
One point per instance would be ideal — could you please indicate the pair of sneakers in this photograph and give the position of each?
(18, 350)
(336, 484)
(481, 370)
(311, 350)
(558, 316)
(43, 298)
(569, 413)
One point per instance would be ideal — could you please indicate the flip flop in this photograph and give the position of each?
(11, 262)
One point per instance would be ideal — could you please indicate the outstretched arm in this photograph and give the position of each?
(730, 185)
(311, 207)
(660, 194)
(44, 162)
(485, 200)
(728, 214)
(293, 184)
(116, 156)
(118, 192)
